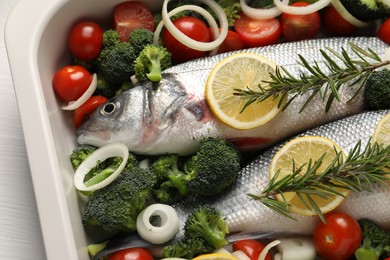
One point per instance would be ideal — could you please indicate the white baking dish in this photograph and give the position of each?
(36, 35)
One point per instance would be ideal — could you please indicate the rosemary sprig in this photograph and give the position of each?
(285, 86)
(361, 167)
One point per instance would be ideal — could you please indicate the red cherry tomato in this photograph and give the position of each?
(335, 24)
(338, 238)
(131, 254)
(256, 33)
(193, 28)
(83, 112)
(252, 248)
(300, 27)
(132, 15)
(85, 41)
(232, 42)
(70, 82)
(384, 31)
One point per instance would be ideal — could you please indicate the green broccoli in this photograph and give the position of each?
(139, 38)
(377, 90)
(375, 243)
(104, 88)
(110, 38)
(80, 153)
(232, 10)
(115, 207)
(365, 10)
(187, 248)
(151, 61)
(117, 63)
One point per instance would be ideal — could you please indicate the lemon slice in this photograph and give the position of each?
(216, 256)
(300, 150)
(240, 71)
(382, 131)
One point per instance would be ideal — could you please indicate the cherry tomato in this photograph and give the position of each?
(252, 248)
(384, 31)
(70, 82)
(132, 15)
(256, 33)
(232, 42)
(338, 238)
(131, 254)
(83, 112)
(335, 24)
(193, 28)
(85, 41)
(300, 27)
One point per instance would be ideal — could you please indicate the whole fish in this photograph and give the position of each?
(173, 118)
(247, 217)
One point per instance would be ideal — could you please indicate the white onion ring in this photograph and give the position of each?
(347, 16)
(161, 234)
(301, 10)
(191, 43)
(263, 253)
(72, 105)
(100, 154)
(260, 13)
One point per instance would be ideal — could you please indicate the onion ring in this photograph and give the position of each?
(347, 16)
(72, 105)
(301, 10)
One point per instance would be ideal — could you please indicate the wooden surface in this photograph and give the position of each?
(20, 233)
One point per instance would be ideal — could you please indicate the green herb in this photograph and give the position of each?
(285, 86)
(362, 166)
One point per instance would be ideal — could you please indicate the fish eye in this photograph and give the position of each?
(108, 108)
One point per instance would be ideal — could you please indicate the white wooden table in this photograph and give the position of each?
(20, 232)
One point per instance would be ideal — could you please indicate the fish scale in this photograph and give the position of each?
(246, 215)
(175, 117)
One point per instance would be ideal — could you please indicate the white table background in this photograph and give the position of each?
(20, 231)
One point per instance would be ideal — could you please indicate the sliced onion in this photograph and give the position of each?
(189, 42)
(158, 234)
(99, 155)
(72, 105)
(301, 10)
(347, 16)
(264, 253)
(260, 13)
(240, 255)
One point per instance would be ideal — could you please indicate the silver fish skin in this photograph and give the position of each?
(173, 118)
(247, 216)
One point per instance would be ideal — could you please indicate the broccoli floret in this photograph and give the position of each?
(207, 223)
(232, 10)
(214, 168)
(365, 10)
(187, 248)
(110, 38)
(151, 61)
(115, 207)
(80, 153)
(117, 63)
(139, 38)
(377, 90)
(104, 88)
(375, 243)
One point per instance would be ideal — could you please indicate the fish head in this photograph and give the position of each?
(117, 120)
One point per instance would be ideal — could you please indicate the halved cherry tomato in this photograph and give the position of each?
(131, 254)
(70, 82)
(252, 248)
(193, 28)
(256, 33)
(384, 31)
(300, 27)
(132, 15)
(82, 113)
(335, 24)
(85, 40)
(338, 238)
(232, 42)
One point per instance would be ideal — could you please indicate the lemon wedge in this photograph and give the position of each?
(299, 151)
(216, 256)
(382, 131)
(240, 71)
